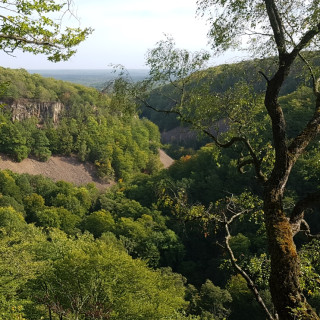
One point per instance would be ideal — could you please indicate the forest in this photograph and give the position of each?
(229, 231)
(94, 127)
(58, 240)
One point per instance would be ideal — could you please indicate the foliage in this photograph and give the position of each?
(243, 301)
(41, 273)
(210, 302)
(112, 283)
(310, 279)
(93, 127)
(230, 21)
(254, 125)
(219, 79)
(36, 27)
(47, 272)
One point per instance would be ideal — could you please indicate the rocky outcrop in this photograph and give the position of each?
(24, 109)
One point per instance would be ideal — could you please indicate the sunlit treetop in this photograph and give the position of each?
(37, 26)
(262, 26)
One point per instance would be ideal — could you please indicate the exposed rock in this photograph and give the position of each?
(24, 108)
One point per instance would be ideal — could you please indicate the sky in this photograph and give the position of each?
(124, 31)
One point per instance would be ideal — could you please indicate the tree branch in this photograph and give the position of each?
(307, 230)
(247, 278)
(242, 164)
(313, 77)
(25, 40)
(306, 38)
(267, 79)
(255, 161)
(226, 216)
(297, 214)
(277, 26)
(311, 130)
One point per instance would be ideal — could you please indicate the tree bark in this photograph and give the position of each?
(285, 266)
(50, 313)
(285, 289)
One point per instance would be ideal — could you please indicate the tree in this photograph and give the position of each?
(292, 26)
(18, 264)
(89, 279)
(99, 222)
(35, 26)
(210, 302)
(243, 304)
(285, 29)
(214, 299)
(41, 146)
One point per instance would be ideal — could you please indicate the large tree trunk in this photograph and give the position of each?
(285, 267)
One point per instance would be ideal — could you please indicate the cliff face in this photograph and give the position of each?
(24, 109)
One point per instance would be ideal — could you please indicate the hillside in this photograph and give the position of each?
(68, 169)
(57, 168)
(43, 117)
(218, 80)
(144, 216)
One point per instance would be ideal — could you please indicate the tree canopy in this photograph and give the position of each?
(38, 27)
(267, 27)
(239, 118)
(74, 252)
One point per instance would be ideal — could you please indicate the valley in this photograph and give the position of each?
(89, 194)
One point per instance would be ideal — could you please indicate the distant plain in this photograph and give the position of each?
(97, 78)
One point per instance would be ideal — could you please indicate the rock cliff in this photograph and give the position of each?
(25, 108)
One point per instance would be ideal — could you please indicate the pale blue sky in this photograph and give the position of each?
(124, 31)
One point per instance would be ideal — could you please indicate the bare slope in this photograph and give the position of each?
(69, 169)
(165, 159)
(57, 168)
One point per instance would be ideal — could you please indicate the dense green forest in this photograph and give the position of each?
(220, 79)
(94, 127)
(70, 251)
(229, 231)
(145, 248)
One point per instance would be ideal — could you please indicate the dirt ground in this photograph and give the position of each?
(165, 159)
(69, 169)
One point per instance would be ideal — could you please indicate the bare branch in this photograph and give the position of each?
(313, 77)
(69, 10)
(297, 214)
(249, 32)
(267, 79)
(249, 281)
(307, 230)
(222, 217)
